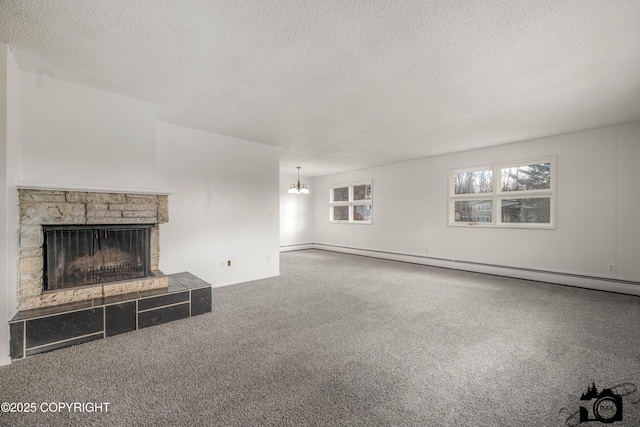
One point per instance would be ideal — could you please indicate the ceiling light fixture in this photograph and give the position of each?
(298, 188)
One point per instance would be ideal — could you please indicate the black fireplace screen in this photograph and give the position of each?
(80, 255)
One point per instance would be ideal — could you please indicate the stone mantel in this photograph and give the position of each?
(28, 185)
(39, 206)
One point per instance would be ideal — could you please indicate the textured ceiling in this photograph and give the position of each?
(341, 85)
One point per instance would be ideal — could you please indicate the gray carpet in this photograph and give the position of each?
(353, 341)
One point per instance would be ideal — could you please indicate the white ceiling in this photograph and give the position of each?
(346, 84)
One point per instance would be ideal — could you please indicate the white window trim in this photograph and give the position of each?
(351, 203)
(497, 195)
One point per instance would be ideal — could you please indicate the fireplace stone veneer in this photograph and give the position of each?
(40, 208)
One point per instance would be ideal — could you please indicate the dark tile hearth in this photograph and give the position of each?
(63, 344)
(163, 300)
(62, 327)
(45, 329)
(120, 318)
(200, 301)
(162, 315)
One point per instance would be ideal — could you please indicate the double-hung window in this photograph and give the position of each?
(351, 203)
(516, 194)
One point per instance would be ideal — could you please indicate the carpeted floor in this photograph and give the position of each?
(352, 341)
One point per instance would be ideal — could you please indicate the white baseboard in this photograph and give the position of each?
(237, 282)
(587, 282)
(296, 247)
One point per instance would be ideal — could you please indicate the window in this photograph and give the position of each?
(351, 203)
(522, 195)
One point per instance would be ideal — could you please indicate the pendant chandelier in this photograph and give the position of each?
(298, 188)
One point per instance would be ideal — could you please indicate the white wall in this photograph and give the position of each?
(226, 206)
(9, 139)
(4, 289)
(296, 214)
(598, 208)
(74, 134)
(627, 194)
(14, 131)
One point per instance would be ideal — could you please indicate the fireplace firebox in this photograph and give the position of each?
(76, 256)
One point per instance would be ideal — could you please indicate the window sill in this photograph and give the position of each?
(352, 222)
(514, 226)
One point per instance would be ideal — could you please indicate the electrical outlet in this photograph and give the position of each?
(268, 258)
(426, 250)
(229, 263)
(222, 264)
(611, 268)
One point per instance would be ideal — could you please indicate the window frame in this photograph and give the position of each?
(497, 195)
(351, 203)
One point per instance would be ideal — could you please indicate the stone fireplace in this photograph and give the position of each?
(81, 245)
(89, 270)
